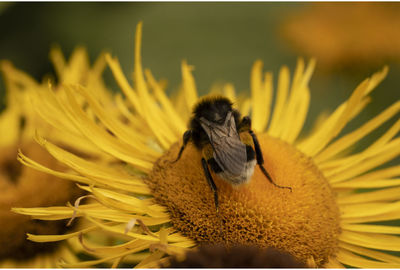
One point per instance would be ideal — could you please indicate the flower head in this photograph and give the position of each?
(365, 34)
(22, 186)
(148, 207)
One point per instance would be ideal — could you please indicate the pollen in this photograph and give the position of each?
(303, 222)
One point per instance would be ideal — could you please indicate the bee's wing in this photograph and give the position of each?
(230, 154)
(229, 151)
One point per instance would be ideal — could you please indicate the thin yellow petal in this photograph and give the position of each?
(351, 138)
(229, 92)
(371, 240)
(298, 102)
(384, 257)
(128, 203)
(375, 179)
(189, 86)
(120, 231)
(46, 213)
(386, 216)
(100, 136)
(9, 121)
(77, 67)
(268, 90)
(298, 118)
(245, 108)
(175, 118)
(34, 165)
(371, 228)
(58, 60)
(351, 259)
(123, 83)
(258, 97)
(129, 186)
(368, 209)
(151, 111)
(14, 75)
(55, 238)
(151, 260)
(387, 194)
(373, 160)
(281, 97)
(121, 131)
(87, 168)
(333, 166)
(338, 124)
(93, 263)
(380, 183)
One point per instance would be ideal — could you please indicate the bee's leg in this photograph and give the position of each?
(210, 181)
(186, 137)
(260, 160)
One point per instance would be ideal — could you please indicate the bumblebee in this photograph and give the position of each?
(226, 141)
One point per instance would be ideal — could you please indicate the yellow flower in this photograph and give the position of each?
(25, 187)
(365, 34)
(138, 193)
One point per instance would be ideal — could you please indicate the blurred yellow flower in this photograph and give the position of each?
(25, 187)
(346, 34)
(153, 208)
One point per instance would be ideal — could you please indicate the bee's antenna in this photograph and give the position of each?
(186, 137)
(180, 154)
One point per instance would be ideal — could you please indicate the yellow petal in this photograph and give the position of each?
(388, 194)
(77, 67)
(189, 86)
(384, 257)
(258, 98)
(374, 158)
(375, 179)
(100, 136)
(123, 83)
(151, 111)
(151, 260)
(281, 97)
(351, 138)
(88, 168)
(58, 60)
(175, 119)
(371, 228)
(371, 240)
(368, 209)
(298, 102)
(357, 261)
(330, 166)
(128, 203)
(121, 131)
(54, 238)
(229, 92)
(385, 216)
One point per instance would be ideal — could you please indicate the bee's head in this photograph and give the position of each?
(214, 109)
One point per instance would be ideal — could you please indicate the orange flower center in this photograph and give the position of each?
(304, 222)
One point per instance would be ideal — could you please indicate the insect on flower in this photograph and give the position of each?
(229, 146)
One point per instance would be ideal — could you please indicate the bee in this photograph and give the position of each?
(226, 141)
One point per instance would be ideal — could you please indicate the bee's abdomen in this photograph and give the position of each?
(234, 180)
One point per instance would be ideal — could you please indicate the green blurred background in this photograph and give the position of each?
(222, 41)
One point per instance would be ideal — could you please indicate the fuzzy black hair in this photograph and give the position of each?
(208, 107)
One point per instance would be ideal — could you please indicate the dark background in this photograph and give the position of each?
(222, 41)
